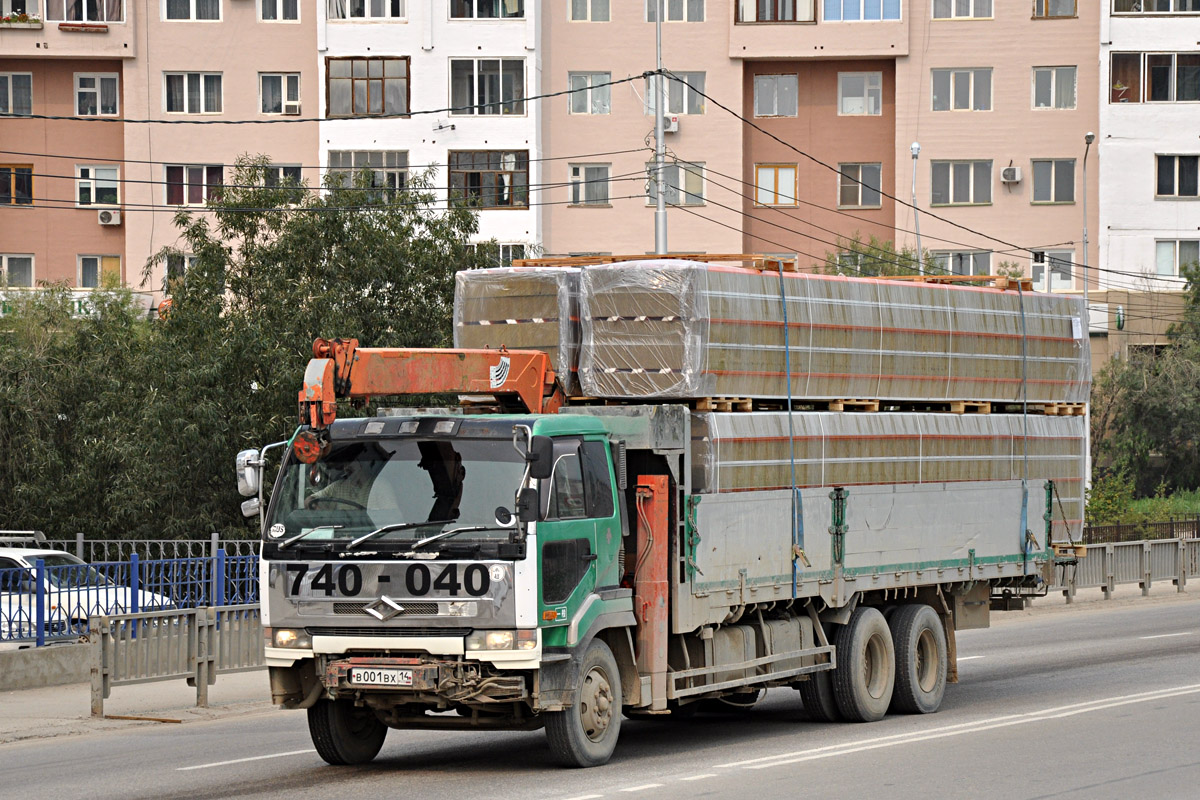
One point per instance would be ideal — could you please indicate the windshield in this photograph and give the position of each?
(65, 571)
(420, 486)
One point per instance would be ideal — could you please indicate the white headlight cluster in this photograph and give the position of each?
(291, 638)
(502, 640)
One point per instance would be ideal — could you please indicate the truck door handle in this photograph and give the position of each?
(591, 557)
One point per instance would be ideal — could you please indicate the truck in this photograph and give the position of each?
(551, 563)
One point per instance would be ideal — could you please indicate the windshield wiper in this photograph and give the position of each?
(308, 532)
(396, 526)
(451, 532)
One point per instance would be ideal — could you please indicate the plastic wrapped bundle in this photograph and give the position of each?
(675, 329)
(521, 308)
(735, 452)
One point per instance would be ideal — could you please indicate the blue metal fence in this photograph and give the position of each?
(52, 602)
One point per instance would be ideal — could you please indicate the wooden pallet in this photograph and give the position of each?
(849, 405)
(1002, 282)
(724, 404)
(1063, 409)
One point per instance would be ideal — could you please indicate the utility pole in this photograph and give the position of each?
(660, 91)
(1088, 138)
(916, 151)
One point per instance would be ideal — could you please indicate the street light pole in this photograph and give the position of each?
(1088, 138)
(916, 151)
(660, 207)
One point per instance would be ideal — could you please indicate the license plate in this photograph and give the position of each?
(370, 676)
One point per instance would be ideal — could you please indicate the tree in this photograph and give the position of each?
(875, 257)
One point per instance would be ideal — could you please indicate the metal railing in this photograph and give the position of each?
(196, 643)
(1182, 528)
(152, 549)
(1107, 565)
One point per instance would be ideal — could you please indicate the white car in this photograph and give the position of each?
(74, 590)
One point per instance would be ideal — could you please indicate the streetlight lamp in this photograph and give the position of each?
(1088, 138)
(916, 151)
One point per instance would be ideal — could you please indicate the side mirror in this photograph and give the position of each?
(249, 473)
(540, 457)
(251, 507)
(527, 505)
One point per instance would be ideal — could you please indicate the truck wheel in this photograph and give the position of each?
(585, 734)
(817, 695)
(343, 733)
(866, 671)
(921, 660)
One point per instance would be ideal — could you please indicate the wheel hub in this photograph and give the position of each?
(595, 704)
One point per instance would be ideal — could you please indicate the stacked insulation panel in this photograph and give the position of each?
(678, 329)
(521, 308)
(734, 452)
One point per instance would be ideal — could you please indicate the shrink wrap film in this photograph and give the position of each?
(678, 329)
(734, 452)
(521, 308)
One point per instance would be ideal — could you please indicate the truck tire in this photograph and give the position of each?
(921, 660)
(817, 695)
(866, 670)
(344, 734)
(585, 734)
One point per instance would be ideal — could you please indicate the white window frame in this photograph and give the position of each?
(203, 77)
(579, 182)
(977, 6)
(883, 6)
(475, 10)
(871, 81)
(388, 175)
(972, 77)
(275, 175)
(952, 166)
(188, 169)
(794, 76)
(1054, 73)
(952, 261)
(7, 78)
(191, 17)
(347, 6)
(1033, 182)
(99, 268)
(32, 8)
(285, 90)
(802, 11)
(4, 269)
(776, 195)
(590, 8)
(679, 96)
(279, 6)
(1052, 263)
(597, 100)
(98, 77)
(59, 7)
(685, 14)
(1176, 174)
(1141, 8)
(855, 182)
(692, 172)
(1041, 9)
(91, 180)
(481, 107)
(1176, 247)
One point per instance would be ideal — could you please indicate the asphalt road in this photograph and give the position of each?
(1096, 704)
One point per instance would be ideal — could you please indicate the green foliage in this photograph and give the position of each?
(1110, 498)
(874, 257)
(126, 427)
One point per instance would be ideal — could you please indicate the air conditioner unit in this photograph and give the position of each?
(292, 109)
(670, 124)
(107, 217)
(1010, 175)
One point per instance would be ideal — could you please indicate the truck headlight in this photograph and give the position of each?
(502, 640)
(290, 638)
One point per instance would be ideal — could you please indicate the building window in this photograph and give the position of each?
(490, 178)
(193, 92)
(676, 10)
(487, 9)
(968, 262)
(96, 94)
(1168, 78)
(1053, 263)
(962, 89)
(1053, 9)
(962, 9)
(683, 184)
(77, 11)
(1177, 176)
(365, 9)
(865, 10)
(193, 184)
(1054, 87)
(279, 10)
(361, 87)
(16, 270)
(589, 11)
(860, 93)
(12, 8)
(776, 95)
(97, 185)
(189, 9)
(775, 184)
(510, 253)
(1054, 180)
(177, 266)
(859, 185)
(16, 184)
(280, 93)
(962, 183)
(1156, 6)
(775, 11)
(96, 271)
(488, 86)
(1172, 255)
(386, 171)
(283, 175)
(589, 184)
(587, 96)
(682, 93)
(16, 93)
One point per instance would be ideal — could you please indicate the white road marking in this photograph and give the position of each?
(699, 777)
(969, 658)
(1169, 635)
(957, 730)
(642, 788)
(244, 760)
(586, 797)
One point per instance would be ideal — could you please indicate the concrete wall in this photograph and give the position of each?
(36, 667)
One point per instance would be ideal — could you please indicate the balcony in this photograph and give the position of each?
(45, 30)
(766, 29)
